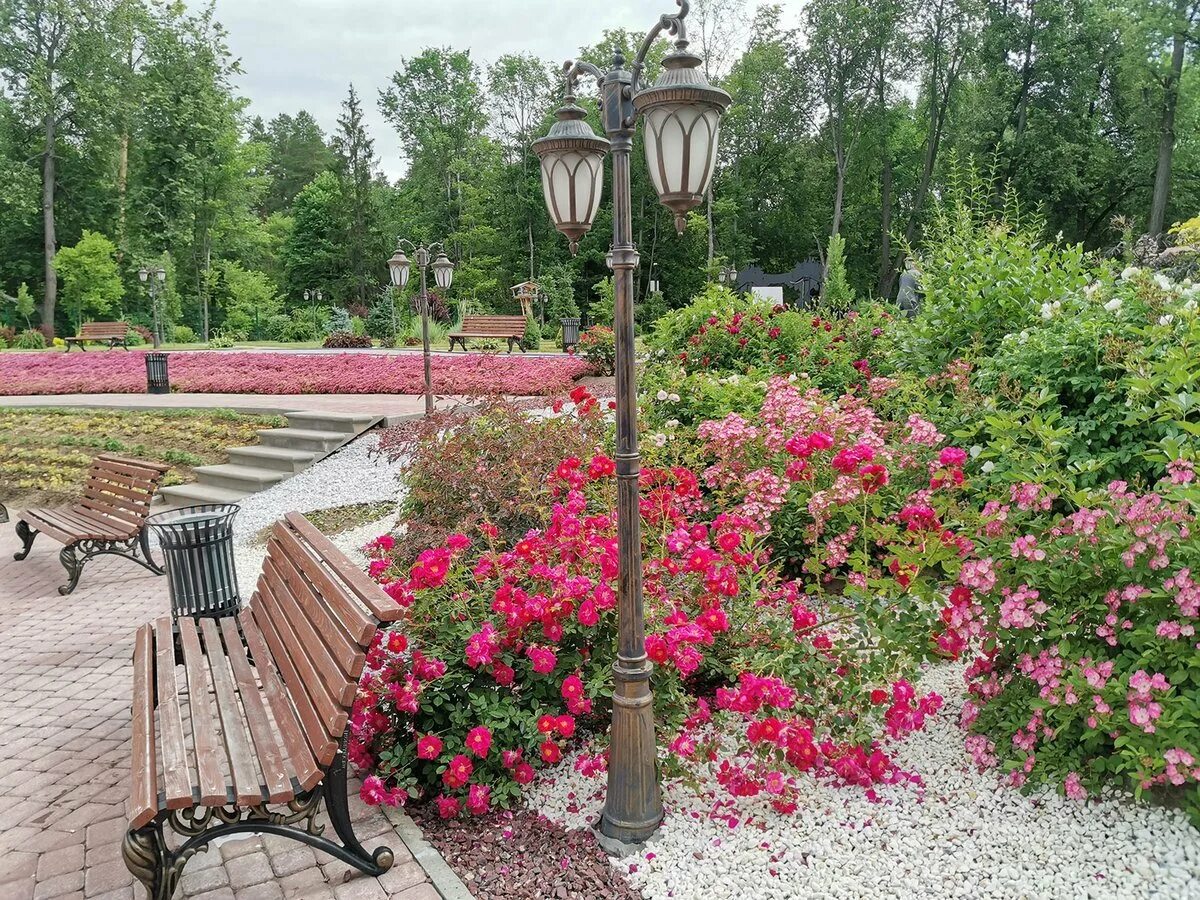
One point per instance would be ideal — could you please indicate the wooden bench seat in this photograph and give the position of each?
(252, 711)
(506, 328)
(109, 519)
(111, 333)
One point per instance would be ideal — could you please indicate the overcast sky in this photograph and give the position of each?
(302, 54)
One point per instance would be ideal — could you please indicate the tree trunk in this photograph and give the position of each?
(839, 194)
(49, 234)
(885, 227)
(122, 189)
(1166, 139)
(712, 246)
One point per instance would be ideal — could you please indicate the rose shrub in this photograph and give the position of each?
(506, 648)
(1087, 624)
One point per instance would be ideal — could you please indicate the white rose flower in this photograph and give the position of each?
(1130, 273)
(674, 398)
(988, 467)
(672, 423)
(975, 451)
(1166, 320)
(1162, 281)
(1047, 311)
(1190, 306)
(659, 440)
(660, 396)
(1114, 305)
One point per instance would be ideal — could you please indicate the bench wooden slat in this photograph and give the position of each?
(276, 780)
(115, 523)
(317, 593)
(144, 776)
(380, 605)
(314, 730)
(247, 787)
(313, 667)
(177, 779)
(211, 782)
(300, 756)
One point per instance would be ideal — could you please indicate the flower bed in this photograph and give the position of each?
(288, 373)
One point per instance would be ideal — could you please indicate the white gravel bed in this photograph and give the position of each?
(354, 474)
(963, 836)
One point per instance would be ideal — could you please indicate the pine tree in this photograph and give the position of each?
(356, 167)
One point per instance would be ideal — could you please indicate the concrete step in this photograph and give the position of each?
(197, 494)
(319, 442)
(289, 461)
(345, 423)
(252, 479)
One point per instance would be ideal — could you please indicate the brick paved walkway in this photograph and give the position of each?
(65, 684)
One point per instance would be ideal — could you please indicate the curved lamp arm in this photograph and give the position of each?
(671, 23)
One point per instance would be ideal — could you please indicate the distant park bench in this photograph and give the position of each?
(111, 333)
(505, 328)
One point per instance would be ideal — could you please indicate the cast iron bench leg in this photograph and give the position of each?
(26, 534)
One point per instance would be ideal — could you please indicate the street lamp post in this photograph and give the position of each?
(154, 279)
(728, 276)
(315, 297)
(682, 114)
(443, 274)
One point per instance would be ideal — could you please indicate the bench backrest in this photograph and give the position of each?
(314, 615)
(501, 326)
(121, 488)
(104, 330)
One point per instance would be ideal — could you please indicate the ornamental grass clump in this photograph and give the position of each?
(503, 659)
(1088, 671)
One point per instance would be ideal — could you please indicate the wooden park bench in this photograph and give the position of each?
(111, 333)
(507, 328)
(110, 519)
(268, 696)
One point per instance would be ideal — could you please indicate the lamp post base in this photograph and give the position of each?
(633, 804)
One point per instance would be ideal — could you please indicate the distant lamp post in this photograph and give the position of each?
(728, 276)
(682, 114)
(154, 279)
(314, 296)
(443, 275)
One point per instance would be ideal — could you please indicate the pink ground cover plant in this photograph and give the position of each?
(289, 373)
(503, 659)
(1086, 622)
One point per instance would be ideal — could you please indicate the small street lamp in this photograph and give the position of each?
(314, 296)
(443, 274)
(728, 276)
(154, 279)
(682, 114)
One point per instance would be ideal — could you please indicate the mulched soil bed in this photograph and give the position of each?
(522, 856)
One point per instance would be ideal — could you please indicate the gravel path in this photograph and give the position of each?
(963, 836)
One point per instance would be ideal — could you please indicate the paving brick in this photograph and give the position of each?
(247, 870)
(107, 877)
(308, 885)
(360, 889)
(198, 881)
(16, 865)
(58, 886)
(21, 889)
(293, 861)
(268, 890)
(401, 877)
(68, 859)
(420, 892)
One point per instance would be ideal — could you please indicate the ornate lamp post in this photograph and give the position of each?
(443, 274)
(682, 114)
(154, 279)
(314, 296)
(728, 276)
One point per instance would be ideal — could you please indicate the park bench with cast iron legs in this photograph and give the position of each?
(109, 519)
(268, 694)
(111, 333)
(505, 328)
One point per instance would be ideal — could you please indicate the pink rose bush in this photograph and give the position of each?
(502, 662)
(289, 373)
(1084, 628)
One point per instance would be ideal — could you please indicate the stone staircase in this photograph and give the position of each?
(282, 452)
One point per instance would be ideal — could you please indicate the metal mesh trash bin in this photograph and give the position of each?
(197, 545)
(570, 329)
(157, 381)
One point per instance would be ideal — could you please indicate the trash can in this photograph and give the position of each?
(157, 381)
(570, 335)
(197, 545)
